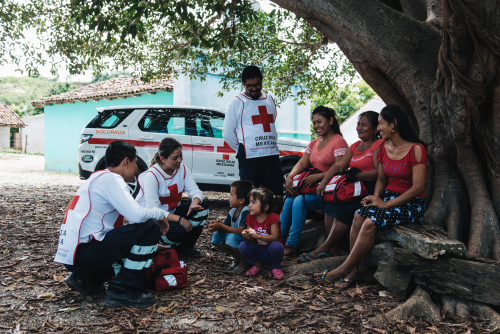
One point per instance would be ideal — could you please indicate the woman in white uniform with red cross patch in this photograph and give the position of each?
(161, 186)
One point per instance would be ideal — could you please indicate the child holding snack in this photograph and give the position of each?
(227, 236)
(263, 243)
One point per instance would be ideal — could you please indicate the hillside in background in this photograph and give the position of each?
(18, 92)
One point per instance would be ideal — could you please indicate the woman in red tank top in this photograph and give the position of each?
(399, 195)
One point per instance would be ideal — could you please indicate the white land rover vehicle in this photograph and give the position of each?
(211, 161)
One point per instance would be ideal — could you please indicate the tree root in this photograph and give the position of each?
(466, 308)
(317, 266)
(419, 303)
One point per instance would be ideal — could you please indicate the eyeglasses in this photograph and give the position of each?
(257, 85)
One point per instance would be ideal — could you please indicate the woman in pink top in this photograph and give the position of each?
(363, 156)
(399, 196)
(321, 153)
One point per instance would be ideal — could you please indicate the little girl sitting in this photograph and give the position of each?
(263, 243)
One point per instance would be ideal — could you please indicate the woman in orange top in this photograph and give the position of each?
(321, 153)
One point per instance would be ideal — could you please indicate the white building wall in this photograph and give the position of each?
(33, 135)
(4, 136)
(292, 119)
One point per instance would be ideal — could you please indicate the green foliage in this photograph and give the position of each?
(346, 100)
(108, 75)
(154, 39)
(18, 92)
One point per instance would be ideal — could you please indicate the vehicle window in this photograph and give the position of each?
(171, 121)
(209, 123)
(109, 119)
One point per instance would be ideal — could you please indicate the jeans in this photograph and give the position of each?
(227, 239)
(273, 255)
(294, 215)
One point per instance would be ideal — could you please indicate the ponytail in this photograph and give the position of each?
(166, 147)
(266, 197)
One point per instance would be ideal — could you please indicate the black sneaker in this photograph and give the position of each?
(120, 295)
(188, 252)
(84, 285)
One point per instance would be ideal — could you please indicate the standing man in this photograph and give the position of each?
(249, 128)
(92, 238)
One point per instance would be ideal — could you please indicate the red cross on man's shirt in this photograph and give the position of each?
(71, 206)
(263, 118)
(173, 199)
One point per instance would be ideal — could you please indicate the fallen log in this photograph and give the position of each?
(427, 241)
(473, 279)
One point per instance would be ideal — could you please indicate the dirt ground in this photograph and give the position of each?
(33, 297)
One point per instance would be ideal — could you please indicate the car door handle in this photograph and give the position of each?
(145, 137)
(204, 143)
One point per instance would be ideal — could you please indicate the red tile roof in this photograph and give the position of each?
(120, 87)
(9, 118)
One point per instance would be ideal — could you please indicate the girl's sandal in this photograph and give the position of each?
(254, 271)
(278, 274)
(322, 277)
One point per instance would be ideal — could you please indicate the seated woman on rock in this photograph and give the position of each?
(399, 196)
(321, 153)
(362, 155)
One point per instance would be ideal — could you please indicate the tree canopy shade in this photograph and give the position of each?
(437, 59)
(156, 38)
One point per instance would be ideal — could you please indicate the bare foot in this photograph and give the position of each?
(335, 250)
(288, 251)
(333, 275)
(352, 275)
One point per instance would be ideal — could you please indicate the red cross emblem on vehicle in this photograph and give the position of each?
(263, 118)
(71, 206)
(225, 149)
(173, 199)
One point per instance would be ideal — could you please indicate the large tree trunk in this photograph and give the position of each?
(439, 61)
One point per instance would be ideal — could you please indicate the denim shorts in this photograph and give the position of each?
(227, 239)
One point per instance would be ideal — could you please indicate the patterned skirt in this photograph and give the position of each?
(411, 212)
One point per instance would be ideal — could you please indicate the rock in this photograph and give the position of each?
(313, 235)
(381, 252)
(472, 279)
(398, 283)
(427, 241)
(419, 303)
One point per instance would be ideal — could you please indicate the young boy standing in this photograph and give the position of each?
(227, 236)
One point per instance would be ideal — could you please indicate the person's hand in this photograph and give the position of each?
(251, 232)
(195, 207)
(290, 189)
(246, 234)
(373, 200)
(187, 225)
(311, 180)
(214, 226)
(164, 226)
(321, 190)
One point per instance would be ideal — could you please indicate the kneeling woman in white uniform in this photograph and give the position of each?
(162, 186)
